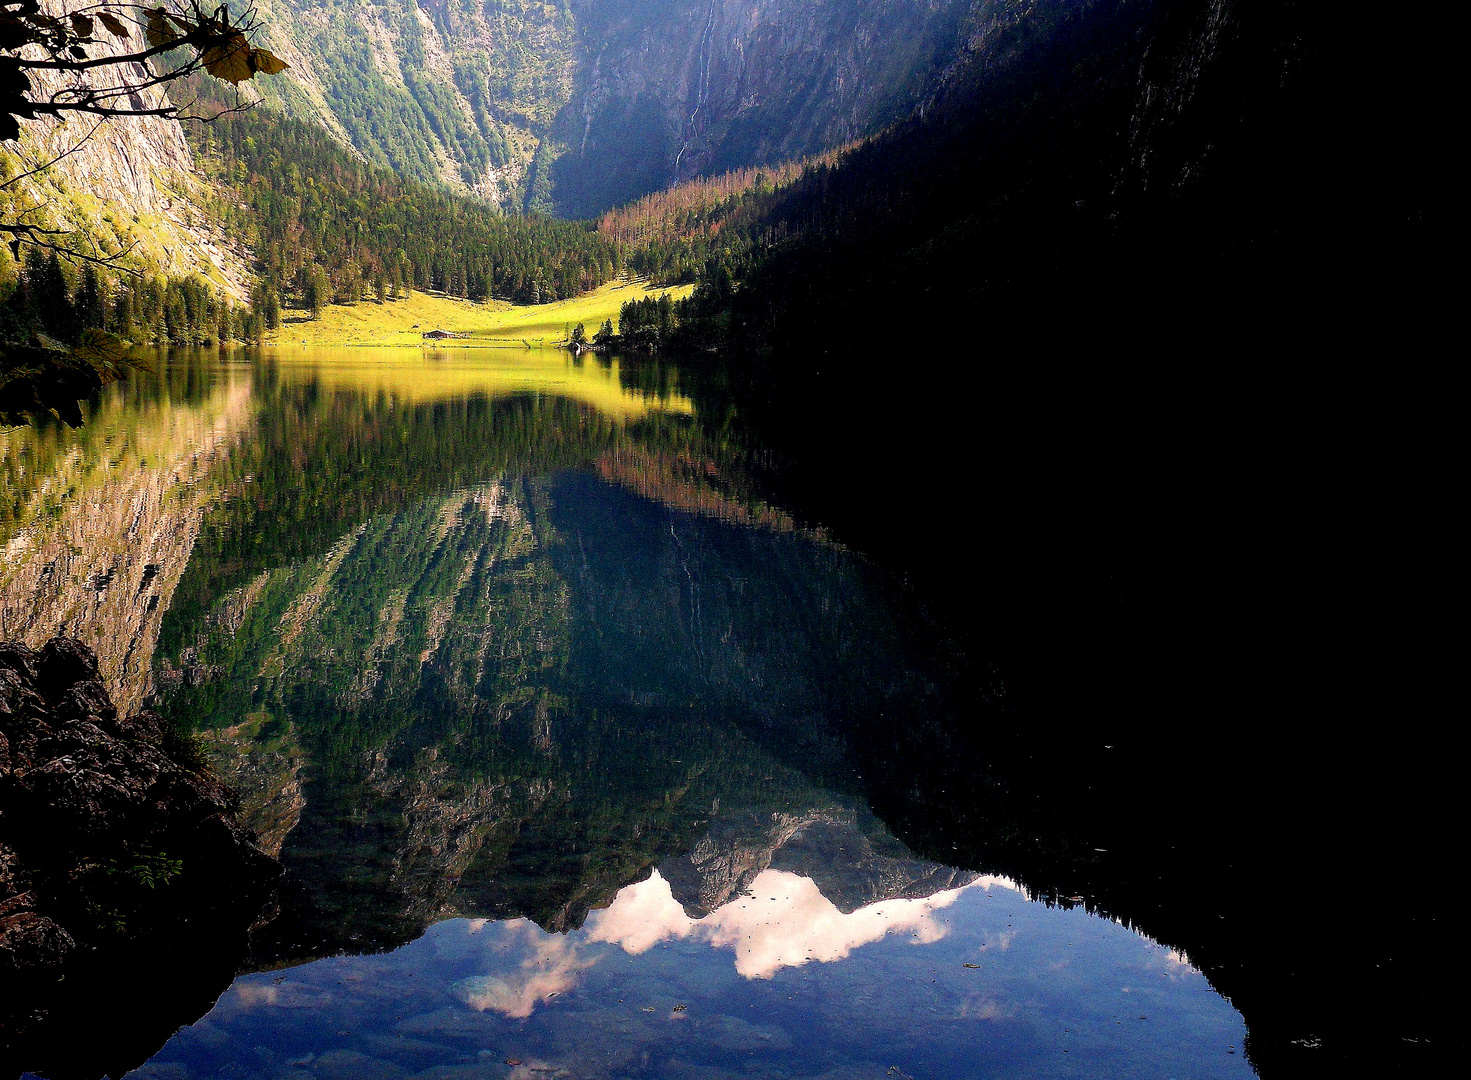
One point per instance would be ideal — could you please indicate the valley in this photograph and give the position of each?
(497, 324)
(980, 573)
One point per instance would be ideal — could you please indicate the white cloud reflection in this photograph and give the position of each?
(553, 967)
(784, 921)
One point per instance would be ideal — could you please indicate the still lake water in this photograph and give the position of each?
(562, 731)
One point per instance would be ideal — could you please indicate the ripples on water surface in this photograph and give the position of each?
(563, 734)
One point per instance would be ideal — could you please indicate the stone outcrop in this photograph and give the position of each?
(109, 828)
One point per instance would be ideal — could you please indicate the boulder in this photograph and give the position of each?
(110, 827)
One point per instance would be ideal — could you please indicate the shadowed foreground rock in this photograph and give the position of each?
(115, 843)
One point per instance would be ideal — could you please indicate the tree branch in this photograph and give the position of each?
(218, 43)
(35, 236)
(46, 165)
(106, 61)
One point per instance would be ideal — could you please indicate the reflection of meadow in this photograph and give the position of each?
(160, 424)
(451, 374)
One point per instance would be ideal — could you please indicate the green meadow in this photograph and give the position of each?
(496, 324)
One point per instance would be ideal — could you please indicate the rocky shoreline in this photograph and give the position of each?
(112, 831)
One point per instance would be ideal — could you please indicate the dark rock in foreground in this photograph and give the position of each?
(112, 833)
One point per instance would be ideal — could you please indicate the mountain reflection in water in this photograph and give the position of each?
(533, 693)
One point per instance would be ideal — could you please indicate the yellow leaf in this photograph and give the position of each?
(230, 59)
(267, 63)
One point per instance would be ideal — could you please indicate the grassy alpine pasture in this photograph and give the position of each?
(496, 324)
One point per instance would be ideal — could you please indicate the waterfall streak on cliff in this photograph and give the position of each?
(702, 83)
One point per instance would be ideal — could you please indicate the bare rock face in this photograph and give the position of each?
(586, 104)
(109, 829)
(699, 86)
(130, 181)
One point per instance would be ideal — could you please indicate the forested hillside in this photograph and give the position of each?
(712, 225)
(1185, 158)
(62, 301)
(326, 227)
(454, 93)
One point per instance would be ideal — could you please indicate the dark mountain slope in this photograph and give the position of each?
(1108, 159)
(1133, 256)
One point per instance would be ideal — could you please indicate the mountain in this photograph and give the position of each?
(584, 104)
(1093, 160)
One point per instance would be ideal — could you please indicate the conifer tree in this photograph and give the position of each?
(91, 300)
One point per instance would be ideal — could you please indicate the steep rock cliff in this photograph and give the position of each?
(126, 183)
(670, 91)
(580, 105)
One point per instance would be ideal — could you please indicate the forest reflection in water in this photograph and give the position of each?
(518, 643)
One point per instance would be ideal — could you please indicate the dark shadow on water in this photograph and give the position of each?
(1193, 666)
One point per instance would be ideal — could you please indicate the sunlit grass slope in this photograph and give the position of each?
(496, 324)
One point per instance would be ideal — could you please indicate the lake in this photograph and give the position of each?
(585, 754)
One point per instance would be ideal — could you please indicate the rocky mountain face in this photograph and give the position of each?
(127, 183)
(670, 91)
(581, 105)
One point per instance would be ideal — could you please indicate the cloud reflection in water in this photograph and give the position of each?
(1002, 986)
(553, 967)
(783, 921)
